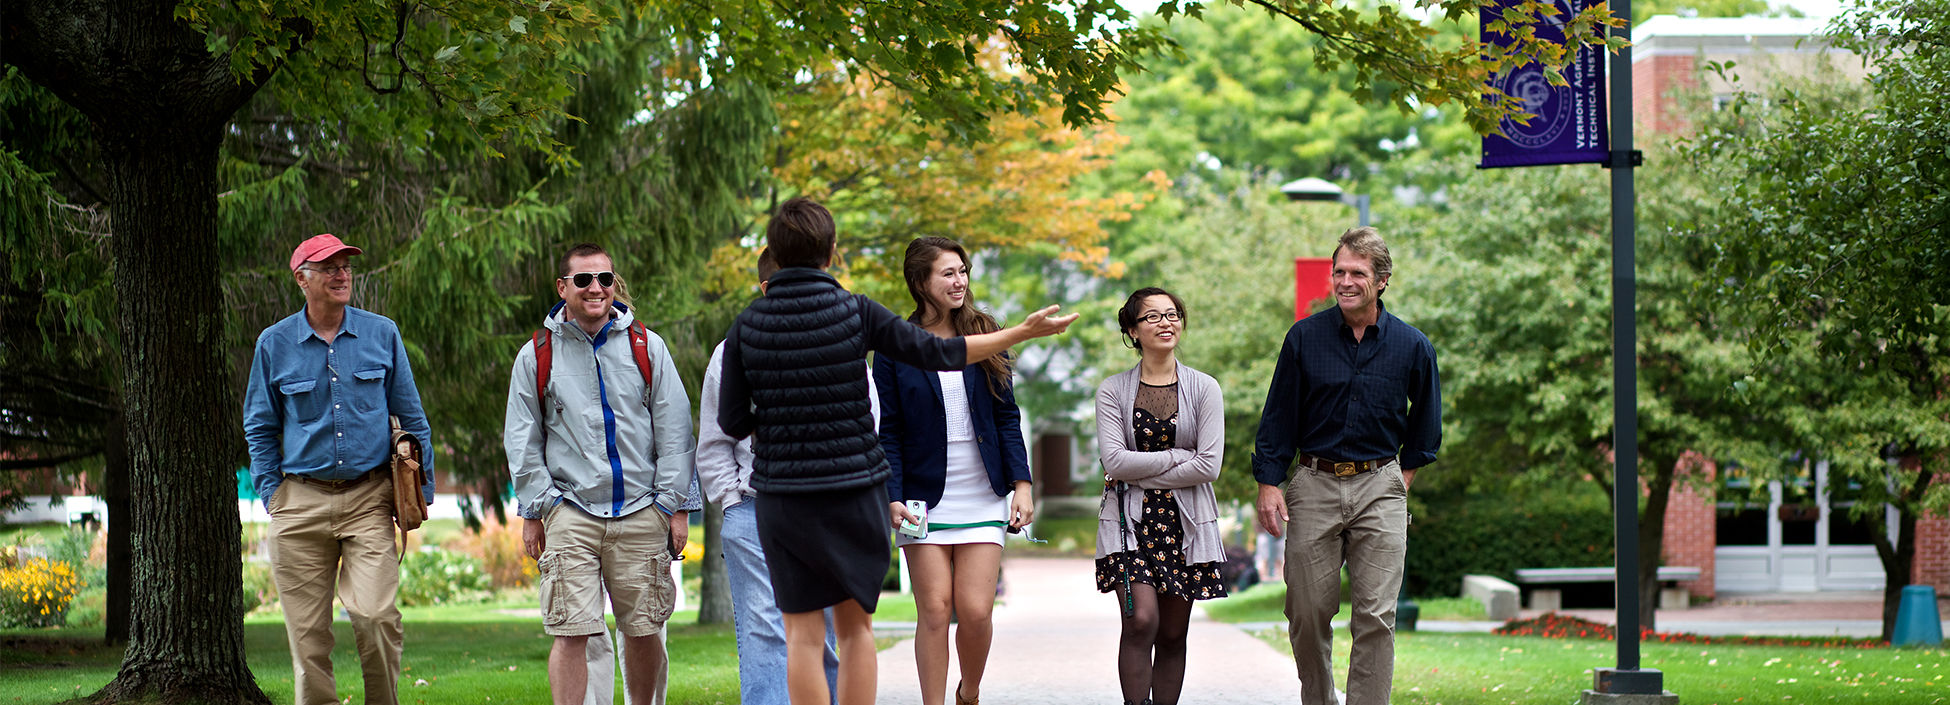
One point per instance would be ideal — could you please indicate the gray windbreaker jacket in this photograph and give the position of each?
(610, 446)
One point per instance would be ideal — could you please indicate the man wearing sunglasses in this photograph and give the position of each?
(598, 436)
(322, 384)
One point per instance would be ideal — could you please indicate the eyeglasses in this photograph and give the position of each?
(344, 269)
(1154, 317)
(581, 279)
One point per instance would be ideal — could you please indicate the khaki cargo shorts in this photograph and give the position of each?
(629, 556)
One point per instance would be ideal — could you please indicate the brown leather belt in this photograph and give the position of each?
(336, 485)
(1343, 469)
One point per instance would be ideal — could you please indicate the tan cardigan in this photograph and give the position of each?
(1187, 469)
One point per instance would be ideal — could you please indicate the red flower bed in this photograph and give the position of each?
(1563, 626)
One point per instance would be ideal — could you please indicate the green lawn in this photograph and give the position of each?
(1266, 602)
(465, 653)
(1432, 668)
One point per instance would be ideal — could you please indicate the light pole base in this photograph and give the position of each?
(1592, 697)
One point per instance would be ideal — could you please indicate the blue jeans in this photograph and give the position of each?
(761, 630)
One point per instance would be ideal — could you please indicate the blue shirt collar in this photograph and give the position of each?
(304, 331)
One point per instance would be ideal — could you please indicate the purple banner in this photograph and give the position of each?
(1569, 127)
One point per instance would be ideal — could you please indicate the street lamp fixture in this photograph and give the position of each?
(1318, 189)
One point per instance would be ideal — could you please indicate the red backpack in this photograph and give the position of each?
(545, 358)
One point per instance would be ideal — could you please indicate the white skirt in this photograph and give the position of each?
(967, 498)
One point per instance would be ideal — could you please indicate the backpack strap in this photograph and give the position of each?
(640, 349)
(544, 359)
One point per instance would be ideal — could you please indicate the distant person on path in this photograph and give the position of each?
(1356, 400)
(795, 376)
(602, 457)
(953, 440)
(1161, 436)
(323, 383)
(725, 466)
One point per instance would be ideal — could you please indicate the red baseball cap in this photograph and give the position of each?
(318, 249)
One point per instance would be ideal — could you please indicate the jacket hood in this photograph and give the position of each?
(558, 317)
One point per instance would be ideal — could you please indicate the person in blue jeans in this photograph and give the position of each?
(724, 467)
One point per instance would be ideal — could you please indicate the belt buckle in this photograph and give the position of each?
(1345, 470)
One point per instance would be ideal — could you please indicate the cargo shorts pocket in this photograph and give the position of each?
(561, 605)
(660, 593)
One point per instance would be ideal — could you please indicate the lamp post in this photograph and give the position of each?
(1407, 613)
(1317, 189)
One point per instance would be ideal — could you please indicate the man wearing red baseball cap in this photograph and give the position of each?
(323, 382)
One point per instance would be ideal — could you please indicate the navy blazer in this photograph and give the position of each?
(914, 430)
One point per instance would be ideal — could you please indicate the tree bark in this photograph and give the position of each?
(121, 554)
(715, 594)
(158, 102)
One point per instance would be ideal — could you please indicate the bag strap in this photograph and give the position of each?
(640, 349)
(544, 360)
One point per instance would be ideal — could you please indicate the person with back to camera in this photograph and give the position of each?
(953, 439)
(1161, 437)
(795, 380)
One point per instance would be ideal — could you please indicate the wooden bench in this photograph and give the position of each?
(1671, 597)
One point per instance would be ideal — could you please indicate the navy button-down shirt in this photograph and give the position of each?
(319, 409)
(1339, 400)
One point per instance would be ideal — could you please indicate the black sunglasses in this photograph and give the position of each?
(581, 279)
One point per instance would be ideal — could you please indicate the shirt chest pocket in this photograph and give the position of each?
(1384, 391)
(368, 389)
(302, 400)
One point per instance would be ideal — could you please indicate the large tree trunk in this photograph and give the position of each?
(715, 597)
(187, 640)
(158, 101)
(121, 554)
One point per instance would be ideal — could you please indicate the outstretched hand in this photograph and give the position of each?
(1041, 323)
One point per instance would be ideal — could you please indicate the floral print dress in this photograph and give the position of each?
(1158, 558)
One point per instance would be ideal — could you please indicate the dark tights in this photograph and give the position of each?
(1151, 652)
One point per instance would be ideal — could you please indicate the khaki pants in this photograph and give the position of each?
(1362, 522)
(325, 540)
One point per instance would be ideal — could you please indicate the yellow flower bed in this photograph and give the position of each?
(37, 593)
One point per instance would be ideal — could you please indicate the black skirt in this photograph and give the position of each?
(824, 548)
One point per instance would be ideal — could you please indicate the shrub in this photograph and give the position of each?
(1498, 536)
(37, 593)
(498, 546)
(260, 584)
(431, 576)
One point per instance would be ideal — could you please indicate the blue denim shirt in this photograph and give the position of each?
(319, 410)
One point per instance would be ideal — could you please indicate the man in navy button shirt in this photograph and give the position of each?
(1354, 408)
(323, 382)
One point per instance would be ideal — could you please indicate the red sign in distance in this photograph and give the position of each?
(1313, 280)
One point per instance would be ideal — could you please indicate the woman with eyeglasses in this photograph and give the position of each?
(954, 442)
(1161, 436)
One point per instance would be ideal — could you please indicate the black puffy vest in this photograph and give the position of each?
(804, 350)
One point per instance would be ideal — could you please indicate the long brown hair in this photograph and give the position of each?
(917, 267)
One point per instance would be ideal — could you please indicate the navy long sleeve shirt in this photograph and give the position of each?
(1339, 400)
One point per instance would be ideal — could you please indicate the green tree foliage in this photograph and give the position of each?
(1400, 59)
(1243, 92)
(1831, 239)
(1517, 296)
(1843, 210)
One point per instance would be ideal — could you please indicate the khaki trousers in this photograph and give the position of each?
(1361, 522)
(325, 541)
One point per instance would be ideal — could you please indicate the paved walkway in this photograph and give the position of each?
(1056, 644)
